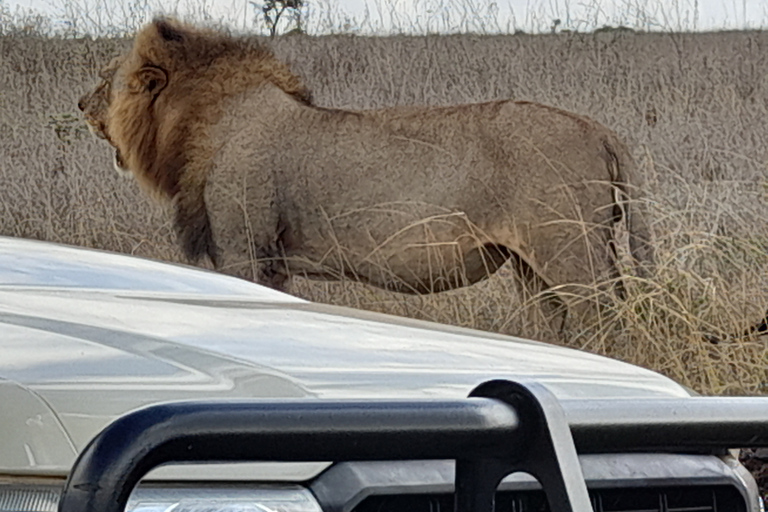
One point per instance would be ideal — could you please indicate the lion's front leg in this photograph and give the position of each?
(248, 262)
(193, 227)
(245, 226)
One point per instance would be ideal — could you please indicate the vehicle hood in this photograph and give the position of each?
(104, 334)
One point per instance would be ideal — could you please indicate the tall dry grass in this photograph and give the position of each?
(691, 106)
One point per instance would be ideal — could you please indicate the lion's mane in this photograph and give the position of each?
(166, 92)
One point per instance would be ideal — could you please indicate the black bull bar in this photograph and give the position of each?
(502, 428)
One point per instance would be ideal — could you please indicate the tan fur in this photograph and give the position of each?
(412, 199)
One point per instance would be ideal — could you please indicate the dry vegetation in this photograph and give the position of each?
(694, 109)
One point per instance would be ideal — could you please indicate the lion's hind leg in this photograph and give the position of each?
(537, 297)
(578, 263)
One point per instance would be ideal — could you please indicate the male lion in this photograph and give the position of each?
(413, 199)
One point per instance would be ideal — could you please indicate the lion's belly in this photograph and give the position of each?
(403, 246)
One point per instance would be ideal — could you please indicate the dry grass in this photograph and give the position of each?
(692, 107)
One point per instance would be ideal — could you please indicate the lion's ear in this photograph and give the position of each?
(152, 79)
(168, 31)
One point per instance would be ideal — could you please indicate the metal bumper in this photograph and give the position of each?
(502, 428)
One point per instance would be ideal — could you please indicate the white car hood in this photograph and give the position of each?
(105, 334)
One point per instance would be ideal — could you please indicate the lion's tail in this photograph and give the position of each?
(630, 203)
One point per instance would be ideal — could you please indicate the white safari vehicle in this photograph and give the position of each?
(132, 384)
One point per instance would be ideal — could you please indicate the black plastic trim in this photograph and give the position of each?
(345, 485)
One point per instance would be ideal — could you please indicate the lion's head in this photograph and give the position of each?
(167, 90)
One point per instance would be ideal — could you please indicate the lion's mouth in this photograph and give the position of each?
(97, 129)
(119, 164)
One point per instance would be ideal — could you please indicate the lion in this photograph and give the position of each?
(267, 184)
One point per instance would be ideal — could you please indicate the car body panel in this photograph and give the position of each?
(94, 349)
(31, 263)
(32, 436)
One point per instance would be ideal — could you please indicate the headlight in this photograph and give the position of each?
(32, 498)
(179, 498)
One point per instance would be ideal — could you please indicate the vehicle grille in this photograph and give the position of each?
(658, 499)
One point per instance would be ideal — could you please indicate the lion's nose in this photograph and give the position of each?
(80, 103)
